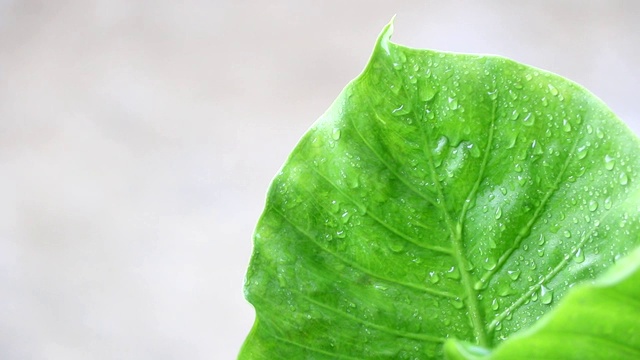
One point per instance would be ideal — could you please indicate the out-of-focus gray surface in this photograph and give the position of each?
(138, 138)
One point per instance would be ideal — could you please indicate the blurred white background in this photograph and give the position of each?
(138, 139)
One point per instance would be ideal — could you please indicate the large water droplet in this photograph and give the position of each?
(593, 205)
(579, 256)
(335, 134)
(553, 90)
(498, 213)
(607, 203)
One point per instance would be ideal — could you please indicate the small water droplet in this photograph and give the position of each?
(546, 295)
(609, 162)
(566, 125)
(335, 206)
(426, 93)
(582, 152)
(541, 240)
(498, 213)
(553, 90)
(434, 277)
(401, 110)
(579, 256)
(453, 273)
(474, 151)
(567, 233)
(396, 246)
(599, 133)
(489, 264)
(514, 274)
(340, 234)
(624, 179)
(529, 120)
(607, 203)
(335, 134)
(453, 103)
(593, 205)
(495, 305)
(457, 303)
(479, 285)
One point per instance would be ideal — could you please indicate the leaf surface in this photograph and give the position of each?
(582, 327)
(441, 196)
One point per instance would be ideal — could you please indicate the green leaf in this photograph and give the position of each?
(582, 327)
(441, 196)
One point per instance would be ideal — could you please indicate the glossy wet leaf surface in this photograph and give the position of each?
(441, 196)
(594, 321)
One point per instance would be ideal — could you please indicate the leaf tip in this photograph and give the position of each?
(385, 35)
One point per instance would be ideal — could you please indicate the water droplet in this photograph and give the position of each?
(335, 206)
(518, 168)
(396, 246)
(434, 277)
(599, 133)
(553, 90)
(579, 256)
(453, 103)
(474, 151)
(489, 264)
(514, 115)
(546, 295)
(426, 92)
(479, 285)
(498, 213)
(582, 152)
(593, 205)
(493, 94)
(457, 303)
(495, 305)
(453, 273)
(609, 162)
(529, 120)
(567, 233)
(566, 125)
(541, 240)
(401, 110)
(607, 203)
(624, 179)
(345, 217)
(514, 274)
